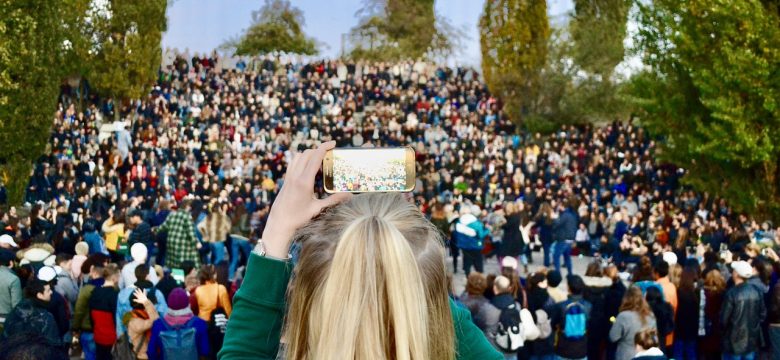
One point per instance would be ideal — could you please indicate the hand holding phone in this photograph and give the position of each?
(357, 170)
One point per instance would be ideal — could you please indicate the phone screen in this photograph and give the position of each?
(369, 170)
(178, 275)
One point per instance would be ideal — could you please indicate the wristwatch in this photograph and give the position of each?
(260, 251)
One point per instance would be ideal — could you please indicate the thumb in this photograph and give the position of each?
(334, 199)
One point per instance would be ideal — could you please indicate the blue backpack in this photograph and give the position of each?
(575, 322)
(179, 342)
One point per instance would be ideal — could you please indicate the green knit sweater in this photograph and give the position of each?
(258, 309)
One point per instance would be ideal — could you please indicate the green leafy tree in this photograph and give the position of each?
(30, 75)
(712, 91)
(276, 27)
(402, 29)
(514, 41)
(127, 53)
(598, 28)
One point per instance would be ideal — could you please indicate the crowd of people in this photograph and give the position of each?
(386, 176)
(172, 198)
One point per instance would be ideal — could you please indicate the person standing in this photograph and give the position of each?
(215, 230)
(569, 319)
(661, 274)
(564, 230)
(10, 286)
(102, 307)
(741, 316)
(31, 316)
(635, 316)
(470, 232)
(512, 244)
(139, 322)
(141, 233)
(182, 245)
(686, 324)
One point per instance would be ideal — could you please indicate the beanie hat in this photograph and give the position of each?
(138, 252)
(82, 248)
(178, 302)
(554, 278)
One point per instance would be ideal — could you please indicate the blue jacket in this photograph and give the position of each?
(565, 226)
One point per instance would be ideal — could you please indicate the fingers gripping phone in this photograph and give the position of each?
(358, 170)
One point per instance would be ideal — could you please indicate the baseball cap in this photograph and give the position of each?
(743, 269)
(7, 239)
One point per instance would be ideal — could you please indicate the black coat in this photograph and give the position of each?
(596, 291)
(664, 319)
(512, 243)
(30, 316)
(686, 326)
(741, 317)
(539, 299)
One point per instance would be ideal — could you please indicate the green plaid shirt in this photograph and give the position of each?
(182, 243)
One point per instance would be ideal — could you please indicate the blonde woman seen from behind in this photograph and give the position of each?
(370, 281)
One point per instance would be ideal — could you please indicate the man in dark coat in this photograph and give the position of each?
(742, 314)
(31, 317)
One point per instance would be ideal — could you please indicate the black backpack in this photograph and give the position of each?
(510, 336)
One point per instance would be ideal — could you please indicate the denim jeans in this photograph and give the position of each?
(217, 252)
(547, 252)
(87, 340)
(239, 246)
(749, 356)
(562, 248)
(685, 349)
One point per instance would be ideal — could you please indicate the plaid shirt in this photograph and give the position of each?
(181, 244)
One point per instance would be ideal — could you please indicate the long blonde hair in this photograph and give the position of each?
(370, 284)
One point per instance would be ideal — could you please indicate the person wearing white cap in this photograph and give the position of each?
(7, 242)
(742, 314)
(139, 253)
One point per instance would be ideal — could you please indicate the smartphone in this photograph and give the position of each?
(359, 170)
(764, 252)
(724, 247)
(178, 275)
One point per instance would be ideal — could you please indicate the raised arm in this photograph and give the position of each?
(255, 324)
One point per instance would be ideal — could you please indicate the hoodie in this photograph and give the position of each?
(155, 350)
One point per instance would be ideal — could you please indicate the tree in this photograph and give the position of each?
(513, 39)
(276, 27)
(598, 28)
(711, 91)
(402, 29)
(30, 74)
(127, 53)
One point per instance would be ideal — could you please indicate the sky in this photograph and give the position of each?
(202, 25)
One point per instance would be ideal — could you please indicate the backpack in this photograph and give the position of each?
(510, 336)
(123, 349)
(530, 330)
(575, 321)
(179, 342)
(217, 326)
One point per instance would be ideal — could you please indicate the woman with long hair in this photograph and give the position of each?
(512, 244)
(686, 324)
(370, 281)
(545, 221)
(635, 315)
(714, 290)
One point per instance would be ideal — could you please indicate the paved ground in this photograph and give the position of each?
(492, 267)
